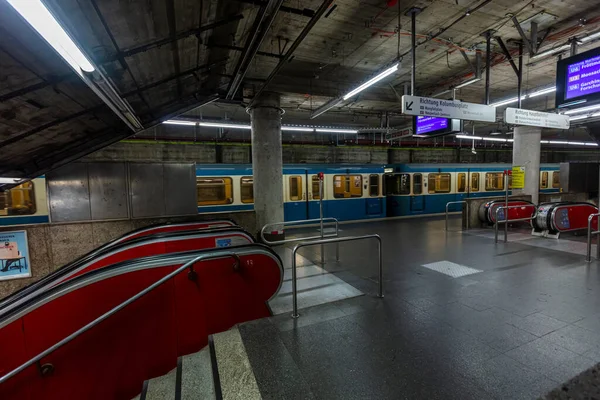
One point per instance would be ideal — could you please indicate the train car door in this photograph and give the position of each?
(417, 200)
(462, 185)
(313, 198)
(295, 207)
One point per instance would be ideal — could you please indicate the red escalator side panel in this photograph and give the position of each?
(114, 358)
(578, 215)
(526, 211)
(12, 354)
(177, 228)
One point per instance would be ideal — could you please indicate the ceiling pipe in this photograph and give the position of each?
(260, 29)
(324, 6)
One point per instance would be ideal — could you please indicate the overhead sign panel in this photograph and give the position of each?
(516, 116)
(415, 105)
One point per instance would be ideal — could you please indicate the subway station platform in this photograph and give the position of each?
(462, 318)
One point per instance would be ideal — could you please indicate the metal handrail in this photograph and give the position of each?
(588, 256)
(506, 220)
(322, 221)
(325, 241)
(467, 211)
(116, 309)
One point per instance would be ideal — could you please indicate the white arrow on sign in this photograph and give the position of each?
(415, 105)
(519, 116)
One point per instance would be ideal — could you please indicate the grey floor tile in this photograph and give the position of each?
(541, 355)
(592, 323)
(574, 338)
(538, 324)
(570, 369)
(308, 316)
(505, 337)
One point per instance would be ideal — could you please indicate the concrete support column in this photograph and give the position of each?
(526, 153)
(267, 162)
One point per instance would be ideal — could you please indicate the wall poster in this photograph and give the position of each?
(14, 255)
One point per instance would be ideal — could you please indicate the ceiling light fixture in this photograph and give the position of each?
(9, 180)
(40, 18)
(582, 110)
(468, 137)
(467, 83)
(491, 139)
(372, 81)
(179, 122)
(579, 117)
(326, 107)
(505, 102)
(221, 125)
(335, 130)
(244, 126)
(297, 129)
(541, 92)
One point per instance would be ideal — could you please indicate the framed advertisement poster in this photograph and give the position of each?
(14, 255)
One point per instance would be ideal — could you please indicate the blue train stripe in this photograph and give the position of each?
(35, 219)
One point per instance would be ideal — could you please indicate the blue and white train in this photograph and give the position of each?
(351, 192)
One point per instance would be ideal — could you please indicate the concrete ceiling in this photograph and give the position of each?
(167, 56)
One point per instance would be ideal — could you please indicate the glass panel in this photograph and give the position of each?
(397, 184)
(345, 186)
(462, 182)
(247, 189)
(555, 180)
(315, 188)
(295, 188)
(214, 191)
(475, 182)
(19, 200)
(494, 181)
(439, 183)
(544, 184)
(373, 185)
(417, 184)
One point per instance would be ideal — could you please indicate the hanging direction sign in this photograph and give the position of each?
(516, 116)
(415, 105)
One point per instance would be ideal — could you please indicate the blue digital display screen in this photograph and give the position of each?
(430, 124)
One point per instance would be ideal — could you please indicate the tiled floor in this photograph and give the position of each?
(529, 320)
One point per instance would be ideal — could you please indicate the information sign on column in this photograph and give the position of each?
(518, 177)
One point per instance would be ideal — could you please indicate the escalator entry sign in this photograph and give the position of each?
(223, 242)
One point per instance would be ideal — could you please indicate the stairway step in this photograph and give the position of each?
(162, 387)
(197, 376)
(236, 377)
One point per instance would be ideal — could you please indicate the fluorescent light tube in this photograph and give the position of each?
(9, 180)
(221, 125)
(372, 81)
(510, 140)
(468, 137)
(582, 110)
(577, 118)
(557, 142)
(591, 144)
(592, 36)
(550, 52)
(327, 130)
(325, 107)
(577, 143)
(543, 141)
(542, 91)
(467, 83)
(505, 102)
(491, 139)
(40, 18)
(297, 129)
(178, 122)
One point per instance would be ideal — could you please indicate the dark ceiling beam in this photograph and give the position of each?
(122, 61)
(507, 54)
(238, 48)
(304, 12)
(190, 71)
(324, 6)
(170, 4)
(50, 124)
(179, 36)
(37, 86)
(264, 19)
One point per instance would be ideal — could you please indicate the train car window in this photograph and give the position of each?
(494, 181)
(19, 200)
(555, 180)
(417, 184)
(315, 188)
(345, 186)
(475, 182)
(214, 191)
(439, 183)
(373, 185)
(544, 183)
(295, 188)
(397, 184)
(247, 189)
(462, 183)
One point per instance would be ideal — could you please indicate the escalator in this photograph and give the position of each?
(143, 339)
(144, 241)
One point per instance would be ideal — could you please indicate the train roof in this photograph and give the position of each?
(246, 169)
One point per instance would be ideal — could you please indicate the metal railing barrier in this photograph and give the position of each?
(505, 221)
(326, 241)
(588, 256)
(322, 235)
(466, 210)
(109, 313)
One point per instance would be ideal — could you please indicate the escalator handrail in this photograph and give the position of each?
(101, 251)
(114, 310)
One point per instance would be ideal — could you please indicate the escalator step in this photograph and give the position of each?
(197, 377)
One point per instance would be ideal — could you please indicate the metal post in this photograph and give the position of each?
(520, 75)
(588, 254)
(496, 227)
(598, 241)
(321, 218)
(488, 62)
(573, 51)
(413, 48)
(294, 286)
(506, 209)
